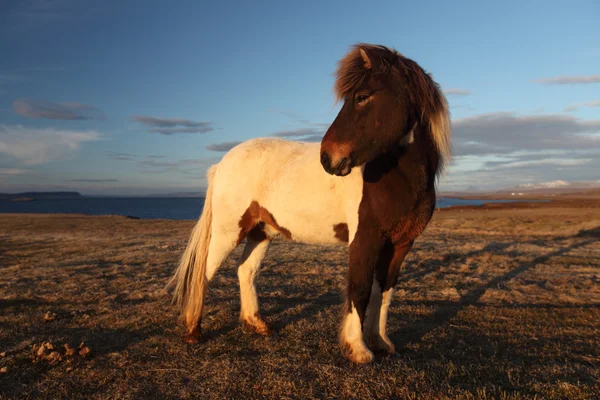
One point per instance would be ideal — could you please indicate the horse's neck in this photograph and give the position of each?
(419, 160)
(406, 173)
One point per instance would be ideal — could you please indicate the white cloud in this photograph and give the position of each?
(569, 80)
(506, 149)
(32, 146)
(11, 171)
(505, 133)
(577, 106)
(457, 92)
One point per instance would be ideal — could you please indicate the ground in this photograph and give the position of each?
(494, 302)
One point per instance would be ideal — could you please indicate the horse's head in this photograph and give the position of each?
(385, 97)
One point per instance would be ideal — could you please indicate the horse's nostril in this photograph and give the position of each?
(340, 170)
(325, 161)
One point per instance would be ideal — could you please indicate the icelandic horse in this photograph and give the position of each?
(370, 183)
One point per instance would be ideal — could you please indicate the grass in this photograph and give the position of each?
(499, 302)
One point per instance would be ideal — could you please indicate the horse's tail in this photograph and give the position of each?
(190, 277)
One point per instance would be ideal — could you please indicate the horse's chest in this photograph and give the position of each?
(397, 212)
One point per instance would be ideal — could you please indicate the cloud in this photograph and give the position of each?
(499, 150)
(32, 146)
(91, 180)
(569, 80)
(315, 138)
(170, 126)
(224, 146)
(302, 132)
(293, 116)
(457, 92)
(11, 171)
(577, 106)
(63, 111)
(505, 133)
(188, 167)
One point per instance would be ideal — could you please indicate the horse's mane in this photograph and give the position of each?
(424, 93)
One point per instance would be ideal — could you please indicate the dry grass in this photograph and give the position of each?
(493, 303)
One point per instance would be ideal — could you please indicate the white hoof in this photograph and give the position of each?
(359, 353)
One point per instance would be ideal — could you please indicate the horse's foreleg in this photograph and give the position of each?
(363, 254)
(248, 270)
(386, 276)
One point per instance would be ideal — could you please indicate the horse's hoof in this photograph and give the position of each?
(362, 356)
(194, 337)
(358, 353)
(383, 345)
(189, 339)
(257, 326)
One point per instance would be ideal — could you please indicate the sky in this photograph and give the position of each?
(141, 97)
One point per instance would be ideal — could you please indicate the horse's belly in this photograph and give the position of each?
(312, 219)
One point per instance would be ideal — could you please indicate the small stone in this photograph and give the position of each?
(84, 351)
(3, 370)
(69, 351)
(3, 354)
(54, 357)
(49, 316)
(69, 369)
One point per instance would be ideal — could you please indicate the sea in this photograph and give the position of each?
(177, 208)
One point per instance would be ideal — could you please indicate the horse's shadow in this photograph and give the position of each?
(447, 310)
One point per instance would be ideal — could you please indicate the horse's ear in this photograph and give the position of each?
(365, 57)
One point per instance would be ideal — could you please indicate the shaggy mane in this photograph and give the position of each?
(424, 94)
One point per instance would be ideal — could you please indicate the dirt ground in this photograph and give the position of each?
(497, 301)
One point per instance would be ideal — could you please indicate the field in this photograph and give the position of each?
(494, 302)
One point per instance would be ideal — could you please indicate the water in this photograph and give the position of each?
(139, 207)
(148, 207)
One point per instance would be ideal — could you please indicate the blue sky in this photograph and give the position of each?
(138, 97)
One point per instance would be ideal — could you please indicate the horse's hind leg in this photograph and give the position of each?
(249, 266)
(221, 244)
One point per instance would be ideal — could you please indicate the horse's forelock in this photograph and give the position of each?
(353, 68)
(350, 74)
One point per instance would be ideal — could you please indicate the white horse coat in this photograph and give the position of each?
(287, 179)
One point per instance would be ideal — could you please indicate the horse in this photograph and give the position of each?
(370, 184)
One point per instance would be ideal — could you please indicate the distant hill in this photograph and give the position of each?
(178, 194)
(40, 195)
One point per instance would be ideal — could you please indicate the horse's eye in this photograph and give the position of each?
(361, 98)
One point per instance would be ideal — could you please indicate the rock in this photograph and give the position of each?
(49, 316)
(69, 351)
(84, 351)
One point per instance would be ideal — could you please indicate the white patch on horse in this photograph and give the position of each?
(248, 270)
(385, 342)
(352, 338)
(410, 137)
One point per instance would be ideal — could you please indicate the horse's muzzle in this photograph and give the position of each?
(342, 168)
